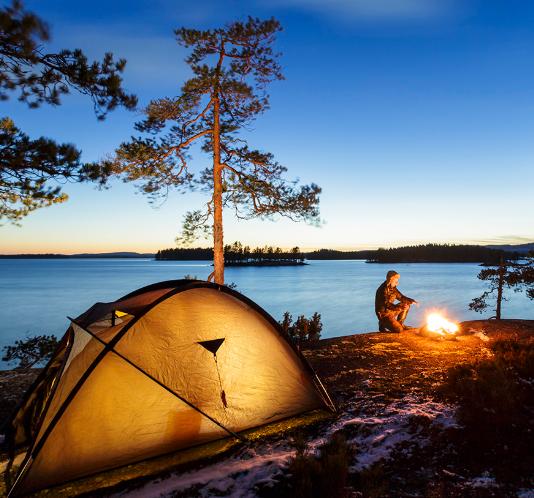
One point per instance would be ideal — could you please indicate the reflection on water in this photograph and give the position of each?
(37, 295)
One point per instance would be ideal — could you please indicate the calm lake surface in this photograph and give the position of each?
(36, 295)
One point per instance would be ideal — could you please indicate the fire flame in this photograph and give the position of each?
(436, 323)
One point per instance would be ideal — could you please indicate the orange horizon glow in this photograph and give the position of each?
(82, 248)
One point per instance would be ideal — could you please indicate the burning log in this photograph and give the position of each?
(439, 327)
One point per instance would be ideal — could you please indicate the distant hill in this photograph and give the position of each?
(522, 248)
(114, 255)
(79, 256)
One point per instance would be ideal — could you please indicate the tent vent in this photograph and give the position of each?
(213, 346)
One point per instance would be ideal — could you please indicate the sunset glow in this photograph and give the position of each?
(343, 118)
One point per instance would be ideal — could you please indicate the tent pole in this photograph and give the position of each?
(324, 392)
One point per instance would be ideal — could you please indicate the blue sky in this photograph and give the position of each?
(416, 117)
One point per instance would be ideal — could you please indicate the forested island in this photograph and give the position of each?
(238, 255)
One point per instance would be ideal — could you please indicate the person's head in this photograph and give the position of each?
(392, 278)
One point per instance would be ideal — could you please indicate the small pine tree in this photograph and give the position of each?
(286, 322)
(302, 326)
(315, 327)
(516, 276)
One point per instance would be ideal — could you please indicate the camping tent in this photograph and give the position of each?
(167, 367)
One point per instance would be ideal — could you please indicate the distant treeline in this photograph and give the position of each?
(238, 255)
(440, 253)
(182, 254)
(334, 254)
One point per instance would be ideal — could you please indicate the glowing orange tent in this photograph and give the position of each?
(167, 367)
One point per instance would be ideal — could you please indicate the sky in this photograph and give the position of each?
(416, 117)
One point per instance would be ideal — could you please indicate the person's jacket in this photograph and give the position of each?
(386, 296)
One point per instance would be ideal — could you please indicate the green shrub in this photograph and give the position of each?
(31, 351)
(373, 482)
(323, 475)
(304, 330)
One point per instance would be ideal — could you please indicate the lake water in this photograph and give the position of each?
(36, 295)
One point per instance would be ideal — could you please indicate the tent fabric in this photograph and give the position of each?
(197, 362)
(22, 429)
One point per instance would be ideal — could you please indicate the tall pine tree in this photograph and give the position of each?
(232, 67)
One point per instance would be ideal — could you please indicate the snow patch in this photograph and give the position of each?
(381, 435)
(235, 477)
(482, 336)
(483, 481)
(374, 438)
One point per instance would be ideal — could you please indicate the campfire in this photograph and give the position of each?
(437, 325)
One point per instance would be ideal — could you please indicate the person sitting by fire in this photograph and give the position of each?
(391, 315)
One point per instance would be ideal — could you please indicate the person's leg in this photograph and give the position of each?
(380, 326)
(391, 323)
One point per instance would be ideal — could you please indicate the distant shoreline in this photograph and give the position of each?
(306, 262)
(113, 255)
(429, 253)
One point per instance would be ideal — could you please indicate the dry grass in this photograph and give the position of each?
(496, 409)
(320, 474)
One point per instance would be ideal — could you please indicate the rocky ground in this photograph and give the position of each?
(401, 431)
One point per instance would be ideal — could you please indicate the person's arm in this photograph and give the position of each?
(404, 299)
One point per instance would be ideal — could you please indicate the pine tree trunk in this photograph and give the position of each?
(499, 290)
(218, 244)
